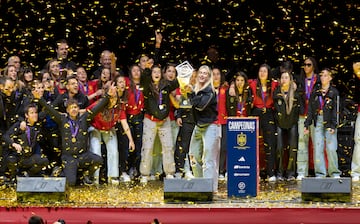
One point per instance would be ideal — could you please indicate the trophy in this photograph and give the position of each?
(184, 73)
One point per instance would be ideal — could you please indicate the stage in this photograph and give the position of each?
(135, 203)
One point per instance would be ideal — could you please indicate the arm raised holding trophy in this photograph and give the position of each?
(185, 72)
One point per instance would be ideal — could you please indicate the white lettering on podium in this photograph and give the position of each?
(241, 125)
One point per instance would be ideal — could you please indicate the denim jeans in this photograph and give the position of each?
(205, 152)
(303, 148)
(323, 135)
(355, 163)
(111, 142)
(163, 129)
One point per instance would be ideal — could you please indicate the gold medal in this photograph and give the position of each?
(73, 139)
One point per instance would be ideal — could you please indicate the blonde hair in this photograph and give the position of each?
(199, 87)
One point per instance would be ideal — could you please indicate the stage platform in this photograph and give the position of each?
(135, 203)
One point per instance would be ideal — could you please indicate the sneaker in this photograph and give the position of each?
(272, 179)
(125, 177)
(144, 179)
(56, 171)
(152, 177)
(290, 178)
(336, 176)
(87, 181)
(169, 176)
(279, 178)
(189, 175)
(221, 177)
(178, 175)
(133, 173)
(300, 177)
(113, 180)
(355, 178)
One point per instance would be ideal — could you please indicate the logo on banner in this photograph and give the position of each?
(241, 186)
(241, 139)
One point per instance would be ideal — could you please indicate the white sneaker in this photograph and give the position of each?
(221, 177)
(336, 176)
(152, 177)
(113, 180)
(169, 176)
(125, 177)
(355, 178)
(143, 179)
(272, 179)
(178, 175)
(300, 177)
(189, 175)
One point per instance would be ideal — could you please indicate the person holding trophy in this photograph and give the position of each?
(205, 140)
(185, 120)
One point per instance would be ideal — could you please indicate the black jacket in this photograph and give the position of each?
(232, 103)
(16, 135)
(329, 109)
(204, 106)
(81, 144)
(151, 103)
(284, 120)
(301, 88)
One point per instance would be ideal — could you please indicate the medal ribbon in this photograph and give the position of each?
(322, 102)
(160, 97)
(74, 130)
(137, 95)
(263, 96)
(309, 87)
(82, 88)
(28, 135)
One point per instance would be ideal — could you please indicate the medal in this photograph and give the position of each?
(74, 128)
(161, 107)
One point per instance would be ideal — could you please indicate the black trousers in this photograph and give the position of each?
(182, 145)
(287, 137)
(32, 164)
(268, 131)
(86, 161)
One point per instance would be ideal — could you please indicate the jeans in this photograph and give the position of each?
(163, 128)
(110, 140)
(205, 152)
(303, 148)
(292, 138)
(355, 163)
(323, 135)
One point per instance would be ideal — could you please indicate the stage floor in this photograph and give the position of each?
(136, 203)
(134, 194)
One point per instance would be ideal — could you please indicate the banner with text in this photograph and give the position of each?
(243, 156)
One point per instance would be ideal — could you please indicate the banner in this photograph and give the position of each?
(243, 156)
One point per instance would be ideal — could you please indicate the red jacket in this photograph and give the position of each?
(108, 117)
(221, 100)
(258, 101)
(135, 104)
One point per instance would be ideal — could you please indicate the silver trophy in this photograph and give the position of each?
(184, 73)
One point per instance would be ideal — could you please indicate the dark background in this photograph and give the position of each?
(247, 32)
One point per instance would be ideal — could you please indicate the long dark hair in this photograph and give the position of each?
(315, 66)
(124, 97)
(245, 92)
(268, 82)
(162, 82)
